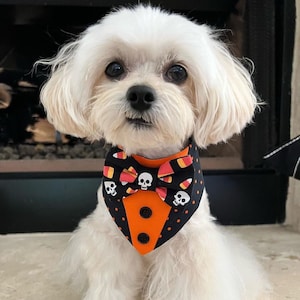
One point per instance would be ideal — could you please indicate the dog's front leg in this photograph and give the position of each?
(202, 261)
(112, 269)
(195, 264)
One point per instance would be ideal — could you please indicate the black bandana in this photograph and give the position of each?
(151, 204)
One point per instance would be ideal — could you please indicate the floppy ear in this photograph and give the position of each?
(67, 92)
(58, 94)
(225, 98)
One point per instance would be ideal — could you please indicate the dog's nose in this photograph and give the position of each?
(140, 97)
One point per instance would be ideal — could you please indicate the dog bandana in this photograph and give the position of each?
(150, 200)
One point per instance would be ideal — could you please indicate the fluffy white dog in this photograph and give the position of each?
(152, 83)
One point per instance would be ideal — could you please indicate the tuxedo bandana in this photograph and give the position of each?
(150, 200)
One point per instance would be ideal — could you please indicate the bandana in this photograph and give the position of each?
(150, 200)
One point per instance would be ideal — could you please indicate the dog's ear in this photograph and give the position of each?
(65, 94)
(224, 96)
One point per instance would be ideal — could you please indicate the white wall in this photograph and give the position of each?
(293, 202)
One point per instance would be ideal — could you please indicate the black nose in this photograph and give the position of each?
(140, 97)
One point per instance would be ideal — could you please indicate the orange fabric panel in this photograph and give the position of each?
(153, 225)
(156, 163)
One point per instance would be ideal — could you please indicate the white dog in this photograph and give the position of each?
(153, 83)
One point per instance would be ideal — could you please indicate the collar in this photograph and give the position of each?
(150, 200)
(155, 163)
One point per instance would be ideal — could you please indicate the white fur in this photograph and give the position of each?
(216, 101)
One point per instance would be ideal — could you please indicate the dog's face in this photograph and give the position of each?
(143, 95)
(148, 80)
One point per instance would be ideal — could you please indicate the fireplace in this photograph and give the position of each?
(48, 180)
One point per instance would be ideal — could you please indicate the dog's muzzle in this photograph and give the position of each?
(140, 97)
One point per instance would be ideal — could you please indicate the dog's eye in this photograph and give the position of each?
(176, 74)
(114, 70)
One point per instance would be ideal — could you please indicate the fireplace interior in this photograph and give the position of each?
(48, 180)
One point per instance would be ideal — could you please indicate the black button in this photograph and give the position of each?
(146, 212)
(143, 238)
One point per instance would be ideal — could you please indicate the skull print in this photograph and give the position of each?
(181, 198)
(110, 188)
(145, 180)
